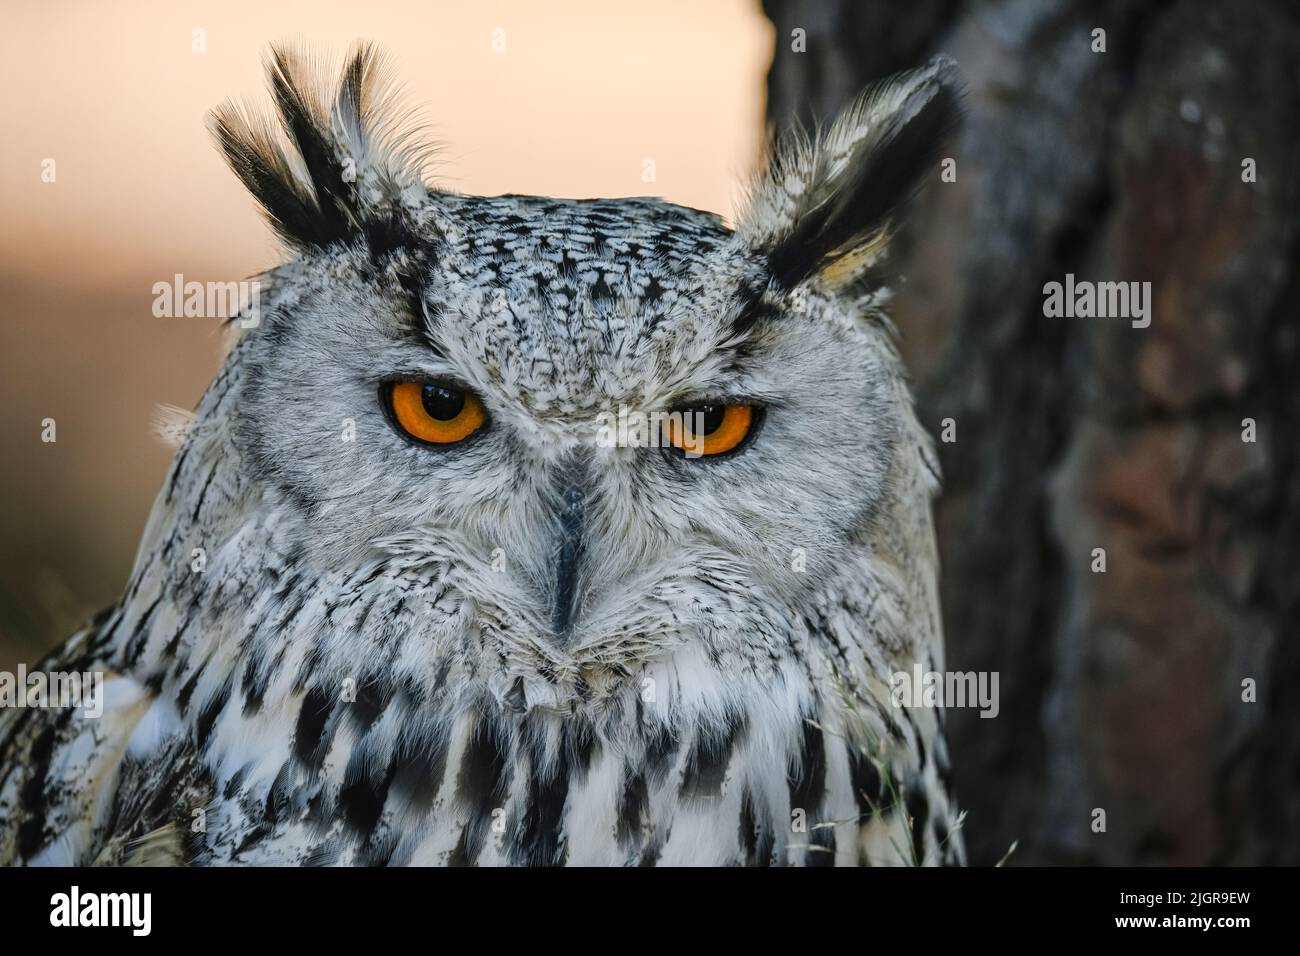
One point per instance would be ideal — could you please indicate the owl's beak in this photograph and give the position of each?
(566, 554)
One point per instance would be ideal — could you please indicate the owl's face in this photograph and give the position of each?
(455, 382)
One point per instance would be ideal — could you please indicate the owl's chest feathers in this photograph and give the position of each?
(378, 778)
(691, 759)
(373, 719)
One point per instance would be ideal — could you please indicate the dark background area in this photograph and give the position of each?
(1122, 690)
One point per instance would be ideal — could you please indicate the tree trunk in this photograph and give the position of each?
(1121, 690)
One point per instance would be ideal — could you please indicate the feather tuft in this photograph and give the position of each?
(344, 160)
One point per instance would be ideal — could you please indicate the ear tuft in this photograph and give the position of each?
(826, 205)
(343, 156)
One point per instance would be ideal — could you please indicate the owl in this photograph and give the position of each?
(519, 530)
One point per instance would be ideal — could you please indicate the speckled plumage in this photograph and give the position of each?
(370, 667)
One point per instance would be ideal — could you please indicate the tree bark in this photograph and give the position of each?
(1120, 690)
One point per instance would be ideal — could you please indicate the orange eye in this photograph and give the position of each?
(436, 414)
(711, 429)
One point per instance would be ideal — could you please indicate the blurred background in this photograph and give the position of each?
(1120, 690)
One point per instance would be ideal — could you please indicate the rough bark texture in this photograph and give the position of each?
(1120, 690)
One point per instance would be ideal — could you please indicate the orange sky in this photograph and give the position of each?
(581, 95)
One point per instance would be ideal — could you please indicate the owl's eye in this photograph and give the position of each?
(437, 414)
(712, 428)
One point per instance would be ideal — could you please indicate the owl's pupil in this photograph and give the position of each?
(713, 415)
(443, 403)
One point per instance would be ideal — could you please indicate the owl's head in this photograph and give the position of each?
(612, 426)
